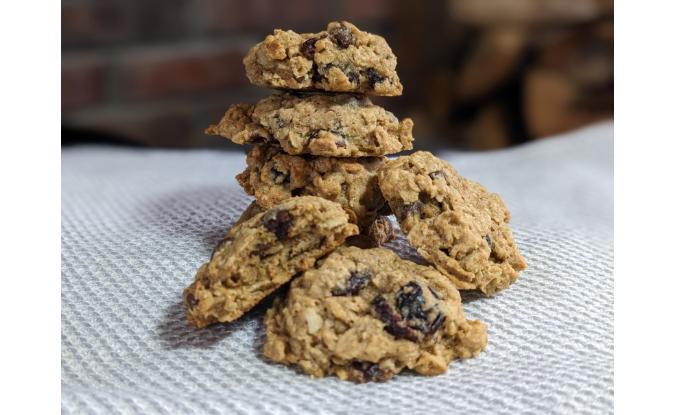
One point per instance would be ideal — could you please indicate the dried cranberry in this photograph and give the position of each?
(279, 223)
(356, 281)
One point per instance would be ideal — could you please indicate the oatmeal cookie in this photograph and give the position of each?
(261, 254)
(273, 176)
(341, 58)
(366, 314)
(322, 125)
(454, 223)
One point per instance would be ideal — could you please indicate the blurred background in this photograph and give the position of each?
(477, 74)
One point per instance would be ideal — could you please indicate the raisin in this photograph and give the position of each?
(260, 250)
(297, 192)
(392, 320)
(279, 177)
(410, 302)
(279, 224)
(317, 77)
(191, 300)
(436, 324)
(385, 312)
(373, 77)
(413, 209)
(342, 36)
(371, 371)
(401, 331)
(308, 48)
(356, 281)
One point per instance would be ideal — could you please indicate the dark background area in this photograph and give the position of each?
(477, 74)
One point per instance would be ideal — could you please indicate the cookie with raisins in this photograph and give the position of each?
(262, 253)
(453, 222)
(366, 315)
(272, 176)
(341, 58)
(341, 125)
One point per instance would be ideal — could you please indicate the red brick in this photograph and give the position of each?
(181, 72)
(82, 83)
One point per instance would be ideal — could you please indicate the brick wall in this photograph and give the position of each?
(156, 72)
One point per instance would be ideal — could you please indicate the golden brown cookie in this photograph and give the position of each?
(340, 59)
(366, 314)
(322, 125)
(261, 254)
(273, 176)
(454, 223)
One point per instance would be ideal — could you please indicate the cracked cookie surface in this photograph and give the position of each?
(323, 125)
(273, 176)
(453, 222)
(262, 253)
(341, 58)
(366, 314)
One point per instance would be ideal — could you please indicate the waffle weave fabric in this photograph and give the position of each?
(136, 224)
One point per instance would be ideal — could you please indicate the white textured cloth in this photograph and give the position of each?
(137, 224)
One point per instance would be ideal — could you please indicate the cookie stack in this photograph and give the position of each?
(323, 188)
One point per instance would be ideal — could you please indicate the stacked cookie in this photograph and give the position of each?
(323, 188)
